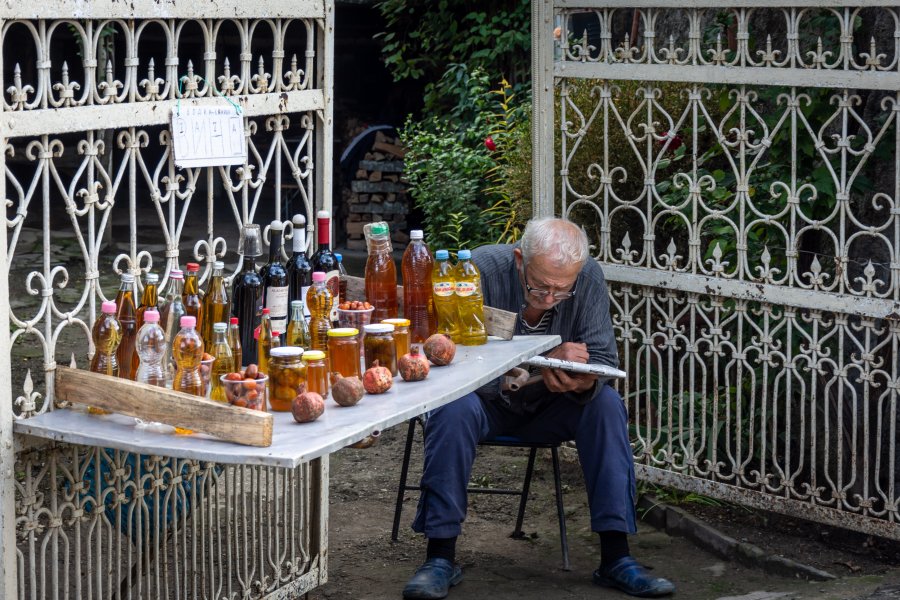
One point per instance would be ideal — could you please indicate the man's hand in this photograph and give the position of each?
(558, 380)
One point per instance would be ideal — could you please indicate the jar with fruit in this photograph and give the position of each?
(288, 376)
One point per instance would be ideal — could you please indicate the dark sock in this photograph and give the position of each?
(441, 548)
(613, 546)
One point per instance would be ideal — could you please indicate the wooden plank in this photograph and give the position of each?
(150, 403)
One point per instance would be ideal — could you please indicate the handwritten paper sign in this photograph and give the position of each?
(208, 137)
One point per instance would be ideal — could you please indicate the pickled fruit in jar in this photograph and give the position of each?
(287, 377)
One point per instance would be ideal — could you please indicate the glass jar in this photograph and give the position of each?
(316, 372)
(401, 336)
(343, 351)
(287, 376)
(379, 345)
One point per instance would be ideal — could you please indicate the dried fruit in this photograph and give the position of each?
(307, 407)
(413, 366)
(346, 391)
(439, 349)
(377, 379)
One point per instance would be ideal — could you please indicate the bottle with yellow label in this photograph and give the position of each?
(469, 301)
(443, 291)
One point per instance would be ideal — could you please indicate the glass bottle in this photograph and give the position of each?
(234, 341)
(127, 316)
(381, 273)
(152, 349)
(470, 303)
(149, 299)
(223, 363)
(297, 331)
(342, 278)
(264, 342)
(216, 307)
(170, 317)
(418, 305)
(107, 334)
(275, 280)
(188, 352)
(324, 260)
(298, 268)
(443, 286)
(246, 297)
(319, 301)
(191, 295)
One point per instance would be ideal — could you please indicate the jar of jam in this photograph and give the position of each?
(343, 351)
(401, 335)
(287, 376)
(316, 372)
(379, 345)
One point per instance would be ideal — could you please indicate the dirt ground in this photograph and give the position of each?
(364, 564)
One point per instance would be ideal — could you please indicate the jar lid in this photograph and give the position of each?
(397, 322)
(286, 351)
(378, 328)
(313, 355)
(343, 332)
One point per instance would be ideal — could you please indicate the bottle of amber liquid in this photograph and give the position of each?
(188, 352)
(297, 331)
(325, 261)
(381, 273)
(264, 342)
(319, 301)
(149, 301)
(127, 316)
(107, 334)
(224, 362)
(191, 296)
(234, 341)
(170, 317)
(216, 307)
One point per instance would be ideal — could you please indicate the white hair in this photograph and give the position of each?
(559, 240)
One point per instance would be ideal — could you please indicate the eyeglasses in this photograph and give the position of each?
(542, 294)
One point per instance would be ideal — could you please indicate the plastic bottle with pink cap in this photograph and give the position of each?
(187, 349)
(107, 333)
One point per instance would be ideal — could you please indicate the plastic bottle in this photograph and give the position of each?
(127, 316)
(149, 299)
(298, 268)
(224, 363)
(152, 349)
(443, 288)
(216, 307)
(264, 342)
(170, 317)
(381, 273)
(324, 260)
(191, 295)
(234, 341)
(342, 278)
(319, 301)
(275, 280)
(469, 301)
(188, 351)
(107, 334)
(246, 297)
(297, 331)
(418, 304)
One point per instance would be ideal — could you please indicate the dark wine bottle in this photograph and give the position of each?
(246, 298)
(275, 280)
(299, 269)
(325, 261)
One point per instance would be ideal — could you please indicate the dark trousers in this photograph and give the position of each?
(600, 431)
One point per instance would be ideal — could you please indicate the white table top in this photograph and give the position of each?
(295, 443)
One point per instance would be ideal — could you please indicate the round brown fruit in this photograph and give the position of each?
(347, 391)
(439, 349)
(377, 379)
(413, 366)
(307, 407)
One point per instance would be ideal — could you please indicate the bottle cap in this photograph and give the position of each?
(127, 278)
(416, 234)
(234, 320)
(250, 244)
(108, 307)
(266, 311)
(338, 257)
(318, 276)
(296, 303)
(176, 274)
(442, 255)
(152, 278)
(379, 229)
(299, 221)
(282, 351)
(188, 321)
(378, 328)
(220, 327)
(397, 322)
(151, 316)
(343, 332)
(193, 267)
(464, 254)
(313, 355)
(276, 225)
(218, 265)
(323, 214)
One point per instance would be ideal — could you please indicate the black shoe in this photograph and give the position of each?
(432, 580)
(633, 579)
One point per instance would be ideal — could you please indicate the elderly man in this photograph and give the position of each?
(554, 286)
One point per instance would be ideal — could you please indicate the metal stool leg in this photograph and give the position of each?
(404, 471)
(563, 537)
(526, 485)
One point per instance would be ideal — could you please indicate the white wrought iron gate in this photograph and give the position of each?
(738, 168)
(91, 191)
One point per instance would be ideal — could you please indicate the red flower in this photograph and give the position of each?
(489, 143)
(675, 142)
